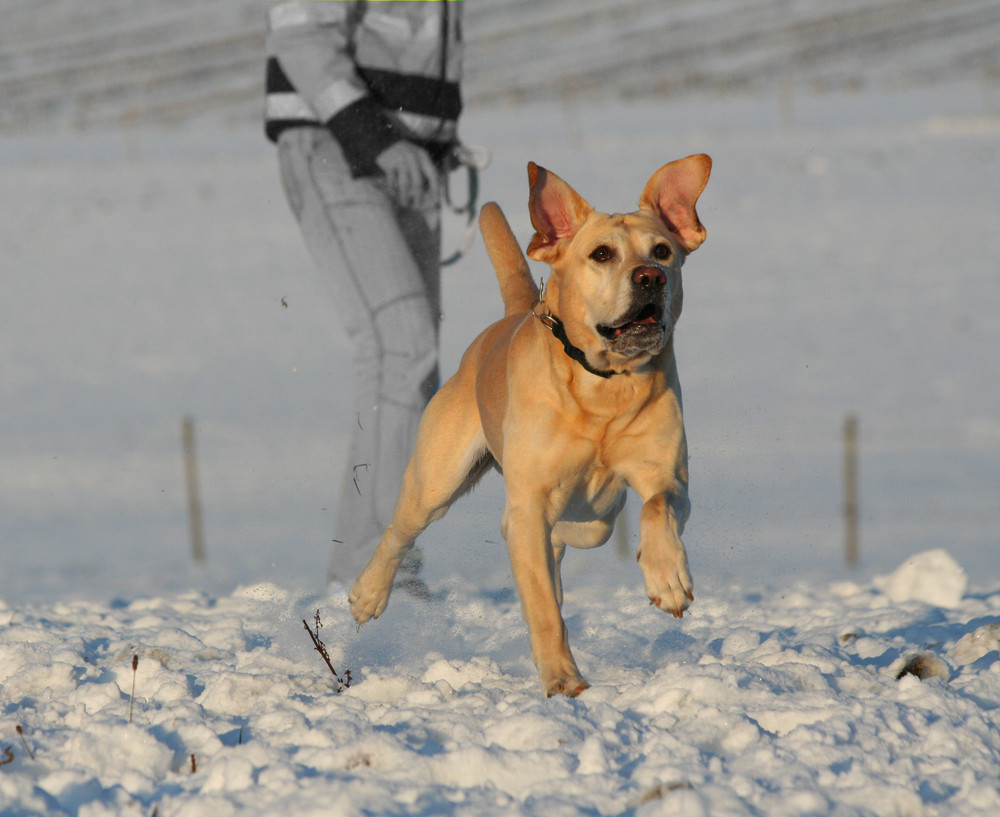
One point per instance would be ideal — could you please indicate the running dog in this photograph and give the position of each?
(574, 396)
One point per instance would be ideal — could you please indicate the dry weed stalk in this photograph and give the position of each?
(131, 697)
(27, 748)
(320, 647)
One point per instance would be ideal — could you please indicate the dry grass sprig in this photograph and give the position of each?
(342, 682)
(27, 748)
(131, 697)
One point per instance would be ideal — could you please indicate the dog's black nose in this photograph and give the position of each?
(649, 277)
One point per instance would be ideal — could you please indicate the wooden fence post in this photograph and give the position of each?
(193, 498)
(851, 490)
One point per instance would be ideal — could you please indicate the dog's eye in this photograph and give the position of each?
(662, 252)
(602, 254)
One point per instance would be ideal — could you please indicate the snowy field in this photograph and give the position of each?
(851, 266)
(760, 702)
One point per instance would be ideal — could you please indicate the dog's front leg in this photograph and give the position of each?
(661, 555)
(534, 564)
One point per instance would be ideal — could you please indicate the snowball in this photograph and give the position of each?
(933, 577)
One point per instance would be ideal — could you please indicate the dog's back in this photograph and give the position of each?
(518, 290)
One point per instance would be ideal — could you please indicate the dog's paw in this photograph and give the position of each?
(560, 676)
(366, 602)
(670, 588)
(677, 611)
(568, 685)
(370, 592)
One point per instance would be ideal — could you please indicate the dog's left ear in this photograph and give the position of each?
(672, 193)
(557, 211)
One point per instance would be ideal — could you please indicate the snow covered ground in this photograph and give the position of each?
(773, 703)
(851, 266)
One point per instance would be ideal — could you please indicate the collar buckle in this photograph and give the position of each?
(555, 326)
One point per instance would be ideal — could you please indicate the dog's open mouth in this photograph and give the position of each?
(646, 316)
(641, 330)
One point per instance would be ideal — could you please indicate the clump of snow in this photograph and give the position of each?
(933, 577)
(980, 642)
(922, 665)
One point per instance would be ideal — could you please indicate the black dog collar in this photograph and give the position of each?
(555, 326)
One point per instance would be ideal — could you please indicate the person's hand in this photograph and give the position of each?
(410, 173)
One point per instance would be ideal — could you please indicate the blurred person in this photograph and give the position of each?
(362, 100)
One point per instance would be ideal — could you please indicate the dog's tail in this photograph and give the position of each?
(518, 290)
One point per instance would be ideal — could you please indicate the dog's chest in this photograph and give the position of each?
(601, 485)
(637, 445)
(592, 494)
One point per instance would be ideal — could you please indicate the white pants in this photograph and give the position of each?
(383, 264)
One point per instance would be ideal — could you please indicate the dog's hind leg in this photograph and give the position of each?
(582, 534)
(449, 458)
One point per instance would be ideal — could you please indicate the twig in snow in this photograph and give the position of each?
(320, 647)
(658, 792)
(8, 756)
(27, 748)
(131, 698)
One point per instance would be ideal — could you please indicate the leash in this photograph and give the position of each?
(474, 158)
(555, 326)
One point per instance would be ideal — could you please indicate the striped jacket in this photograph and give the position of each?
(373, 71)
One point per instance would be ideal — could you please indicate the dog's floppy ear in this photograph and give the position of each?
(557, 211)
(672, 192)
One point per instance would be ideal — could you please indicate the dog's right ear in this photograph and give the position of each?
(557, 211)
(672, 193)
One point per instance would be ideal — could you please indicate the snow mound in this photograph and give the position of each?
(933, 577)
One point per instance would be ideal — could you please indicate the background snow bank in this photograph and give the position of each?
(781, 701)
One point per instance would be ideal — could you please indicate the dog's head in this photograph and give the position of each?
(616, 279)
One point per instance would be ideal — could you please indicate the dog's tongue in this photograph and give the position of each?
(649, 319)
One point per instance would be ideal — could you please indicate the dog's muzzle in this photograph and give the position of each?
(643, 328)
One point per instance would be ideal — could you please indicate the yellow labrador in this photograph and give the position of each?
(574, 396)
